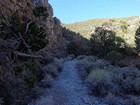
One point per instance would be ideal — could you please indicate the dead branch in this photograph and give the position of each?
(26, 45)
(27, 27)
(24, 42)
(28, 55)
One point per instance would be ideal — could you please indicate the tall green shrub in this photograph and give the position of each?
(15, 26)
(102, 40)
(114, 56)
(40, 11)
(137, 39)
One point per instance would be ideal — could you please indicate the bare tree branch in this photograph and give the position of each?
(27, 27)
(26, 45)
(28, 55)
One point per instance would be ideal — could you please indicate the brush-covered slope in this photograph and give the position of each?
(30, 38)
(124, 27)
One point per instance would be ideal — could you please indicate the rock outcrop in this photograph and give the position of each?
(20, 64)
(56, 45)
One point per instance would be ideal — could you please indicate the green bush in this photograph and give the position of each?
(114, 57)
(99, 76)
(101, 82)
(123, 26)
(127, 80)
(85, 67)
(35, 37)
(40, 11)
(16, 25)
(73, 47)
(102, 40)
(5, 31)
(137, 39)
(17, 70)
(129, 51)
(118, 78)
(105, 78)
(78, 48)
(31, 66)
(131, 86)
(120, 44)
(31, 80)
(122, 47)
(134, 100)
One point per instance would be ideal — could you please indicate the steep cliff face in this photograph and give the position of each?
(24, 33)
(23, 7)
(56, 45)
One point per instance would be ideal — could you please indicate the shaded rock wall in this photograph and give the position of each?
(14, 86)
(56, 45)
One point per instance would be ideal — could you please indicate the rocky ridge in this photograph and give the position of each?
(56, 41)
(21, 65)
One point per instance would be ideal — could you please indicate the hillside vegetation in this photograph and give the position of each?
(33, 50)
(124, 27)
(30, 41)
(113, 69)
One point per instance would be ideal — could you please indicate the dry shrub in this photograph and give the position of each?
(114, 57)
(47, 80)
(99, 76)
(87, 63)
(59, 63)
(88, 58)
(84, 67)
(101, 64)
(131, 85)
(133, 100)
(51, 69)
(54, 68)
(105, 78)
(127, 79)
(80, 57)
(112, 99)
(78, 48)
(101, 82)
(45, 100)
(44, 83)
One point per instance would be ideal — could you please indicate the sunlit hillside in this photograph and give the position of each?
(124, 27)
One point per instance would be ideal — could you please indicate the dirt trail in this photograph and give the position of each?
(68, 89)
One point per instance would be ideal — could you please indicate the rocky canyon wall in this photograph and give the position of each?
(56, 45)
(20, 60)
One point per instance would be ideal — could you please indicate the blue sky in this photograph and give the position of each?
(69, 11)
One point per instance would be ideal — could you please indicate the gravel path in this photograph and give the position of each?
(68, 89)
